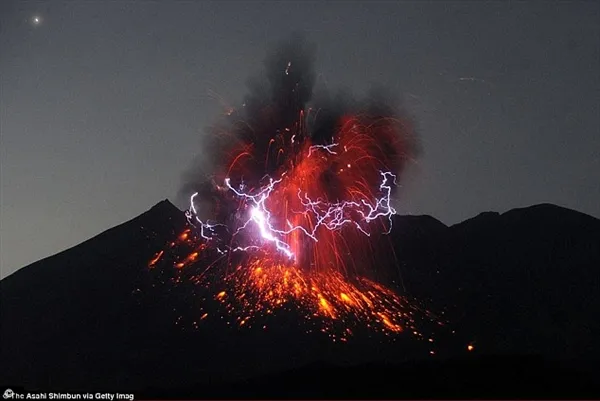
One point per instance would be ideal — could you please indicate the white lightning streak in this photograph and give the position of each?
(332, 216)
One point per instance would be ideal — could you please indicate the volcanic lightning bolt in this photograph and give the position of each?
(330, 216)
(299, 219)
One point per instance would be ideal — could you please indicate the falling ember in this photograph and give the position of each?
(155, 259)
(325, 306)
(389, 324)
(345, 298)
(299, 211)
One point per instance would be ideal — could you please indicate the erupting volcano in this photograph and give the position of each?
(296, 207)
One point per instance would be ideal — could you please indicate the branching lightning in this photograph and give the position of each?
(330, 216)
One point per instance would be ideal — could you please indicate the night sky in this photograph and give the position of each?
(104, 104)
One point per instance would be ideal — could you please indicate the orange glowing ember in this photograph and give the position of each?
(155, 259)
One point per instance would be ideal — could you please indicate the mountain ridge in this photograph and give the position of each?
(522, 282)
(166, 206)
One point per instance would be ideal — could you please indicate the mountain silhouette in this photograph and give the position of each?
(519, 285)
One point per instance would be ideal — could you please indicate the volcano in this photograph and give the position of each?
(518, 293)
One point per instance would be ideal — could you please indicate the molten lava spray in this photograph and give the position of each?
(297, 204)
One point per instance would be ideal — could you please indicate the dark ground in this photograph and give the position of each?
(481, 377)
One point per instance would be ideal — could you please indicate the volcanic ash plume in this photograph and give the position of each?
(300, 198)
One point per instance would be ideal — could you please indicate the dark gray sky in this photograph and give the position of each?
(103, 103)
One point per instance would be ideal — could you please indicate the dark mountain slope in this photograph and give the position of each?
(63, 315)
(93, 317)
(524, 281)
